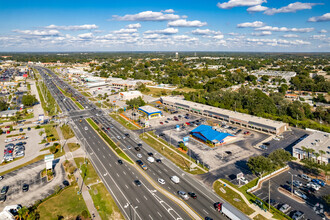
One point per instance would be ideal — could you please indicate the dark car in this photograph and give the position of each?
(3, 198)
(66, 183)
(29, 129)
(21, 130)
(120, 161)
(139, 145)
(150, 154)
(137, 182)
(158, 160)
(192, 195)
(4, 189)
(137, 148)
(25, 187)
(127, 135)
(287, 187)
(139, 162)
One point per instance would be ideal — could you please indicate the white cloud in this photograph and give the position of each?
(323, 31)
(73, 27)
(257, 8)
(184, 38)
(319, 37)
(168, 11)
(147, 16)
(274, 42)
(185, 23)
(125, 31)
(86, 35)
(205, 32)
(167, 31)
(293, 7)
(218, 37)
(254, 24)
(154, 36)
(325, 17)
(238, 3)
(233, 34)
(290, 35)
(262, 33)
(133, 26)
(38, 32)
(284, 29)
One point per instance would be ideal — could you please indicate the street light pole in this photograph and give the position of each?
(291, 183)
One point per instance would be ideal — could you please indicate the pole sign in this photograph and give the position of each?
(49, 161)
(185, 139)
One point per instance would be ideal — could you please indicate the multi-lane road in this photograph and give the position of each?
(135, 202)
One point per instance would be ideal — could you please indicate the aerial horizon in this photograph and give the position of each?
(215, 26)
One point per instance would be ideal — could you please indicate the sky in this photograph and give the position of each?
(180, 25)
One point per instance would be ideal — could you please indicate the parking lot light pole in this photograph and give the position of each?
(291, 183)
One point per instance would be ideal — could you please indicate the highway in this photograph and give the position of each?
(120, 177)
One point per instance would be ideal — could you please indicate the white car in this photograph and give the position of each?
(139, 155)
(243, 180)
(313, 185)
(175, 179)
(161, 181)
(86, 128)
(183, 195)
(151, 159)
(300, 194)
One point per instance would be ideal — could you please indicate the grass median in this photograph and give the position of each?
(67, 131)
(109, 141)
(177, 159)
(123, 122)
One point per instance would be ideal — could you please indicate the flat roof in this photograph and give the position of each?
(225, 113)
(318, 141)
(149, 109)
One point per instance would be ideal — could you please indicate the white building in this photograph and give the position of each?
(316, 142)
(129, 95)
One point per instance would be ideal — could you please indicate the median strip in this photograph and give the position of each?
(109, 141)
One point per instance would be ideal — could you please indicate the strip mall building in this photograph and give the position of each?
(244, 120)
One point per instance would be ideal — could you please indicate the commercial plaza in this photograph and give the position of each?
(244, 120)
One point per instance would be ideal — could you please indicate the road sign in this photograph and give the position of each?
(49, 161)
(186, 139)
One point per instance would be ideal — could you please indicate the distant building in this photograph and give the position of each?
(317, 142)
(176, 55)
(244, 120)
(129, 95)
(150, 112)
(205, 133)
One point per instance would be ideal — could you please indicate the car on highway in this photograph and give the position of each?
(25, 187)
(1, 177)
(139, 145)
(139, 155)
(4, 189)
(192, 195)
(137, 182)
(118, 137)
(161, 181)
(137, 148)
(150, 154)
(86, 128)
(175, 179)
(183, 195)
(158, 160)
(151, 159)
(120, 161)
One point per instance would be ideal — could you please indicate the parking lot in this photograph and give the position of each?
(313, 206)
(37, 187)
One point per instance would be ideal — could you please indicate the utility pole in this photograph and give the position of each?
(291, 183)
(269, 194)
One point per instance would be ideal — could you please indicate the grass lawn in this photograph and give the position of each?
(91, 176)
(180, 161)
(51, 132)
(157, 92)
(67, 132)
(123, 122)
(73, 146)
(233, 198)
(104, 203)
(67, 204)
(85, 94)
(259, 217)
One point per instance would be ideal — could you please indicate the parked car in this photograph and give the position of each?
(285, 208)
(300, 194)
(4, 189)
(25, 187)
(319, 182)
(298, 215)
(305, 177)
(3, 198)
(297, 182)
(263, 147)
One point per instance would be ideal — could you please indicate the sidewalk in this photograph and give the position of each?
(257, 210)
(84, 191)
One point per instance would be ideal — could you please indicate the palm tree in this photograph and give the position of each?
(316, 155)
(23, 213)
(321, 153)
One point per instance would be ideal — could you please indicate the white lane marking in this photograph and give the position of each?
(137, 200)
(159, 214)
(117, 174)
(133, 173)
(103, 156)
(145, 197)
(109, 155)
(154, 173)
(205, 211)
(165, 169)
(126, 186)
(124, 172)
(150, 217)
(98, 149)
(110, 165)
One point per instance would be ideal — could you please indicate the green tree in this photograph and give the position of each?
(279, 157)
(28, 100)
(260, 165)
(136, 102)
